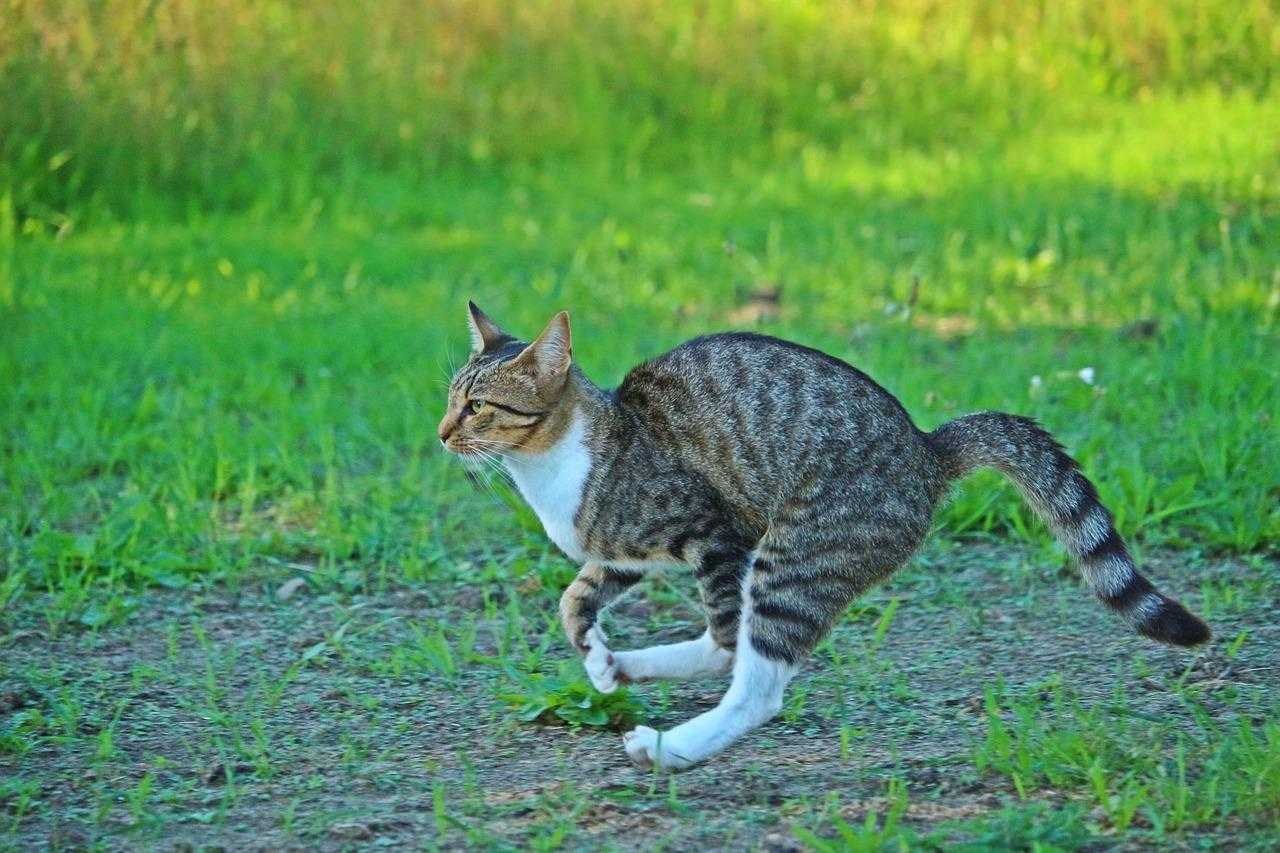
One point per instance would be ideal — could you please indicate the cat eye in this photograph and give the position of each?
(473, 407)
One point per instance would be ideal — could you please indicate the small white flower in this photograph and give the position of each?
(1086, 375)
(1036, 382)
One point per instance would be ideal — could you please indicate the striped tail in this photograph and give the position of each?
(1051, 481)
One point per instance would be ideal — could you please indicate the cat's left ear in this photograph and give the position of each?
(548, 357)
(484, 332)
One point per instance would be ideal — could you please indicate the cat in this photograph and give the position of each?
(787, 479)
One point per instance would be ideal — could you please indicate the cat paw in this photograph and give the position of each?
(642, 745)
(601, 664)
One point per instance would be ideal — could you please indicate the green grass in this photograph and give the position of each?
(138, 108)
(1114, 768)
(1132, 765)
(187, 401)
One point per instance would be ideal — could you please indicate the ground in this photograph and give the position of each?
(278, 714)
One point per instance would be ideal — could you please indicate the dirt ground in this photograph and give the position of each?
(231, 719)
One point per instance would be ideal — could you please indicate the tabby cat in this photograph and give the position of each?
(788, 480)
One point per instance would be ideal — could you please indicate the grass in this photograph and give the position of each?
(1132, 765)
(140, 108)
(194, 402)
(235, 245)
(568, 699)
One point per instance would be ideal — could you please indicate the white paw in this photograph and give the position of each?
(601, 664)
(642, 745)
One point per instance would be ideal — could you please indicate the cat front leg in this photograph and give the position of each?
(595, 587)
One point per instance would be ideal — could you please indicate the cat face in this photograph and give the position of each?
(504, 398)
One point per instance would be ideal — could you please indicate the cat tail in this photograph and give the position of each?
(1055, 487)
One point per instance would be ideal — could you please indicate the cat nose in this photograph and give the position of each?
(445, 430)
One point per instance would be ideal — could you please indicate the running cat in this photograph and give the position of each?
(788, 480)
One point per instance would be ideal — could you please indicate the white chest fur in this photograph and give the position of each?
(552, 483)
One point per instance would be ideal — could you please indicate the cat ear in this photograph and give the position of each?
(484, 332)
(548, 357)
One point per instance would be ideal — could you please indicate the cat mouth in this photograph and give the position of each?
(460, 449)
(467, 451)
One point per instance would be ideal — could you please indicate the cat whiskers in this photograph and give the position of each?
(453, 369)
(487, 453)
(490, 455)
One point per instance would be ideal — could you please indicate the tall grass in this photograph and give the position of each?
(215, 104)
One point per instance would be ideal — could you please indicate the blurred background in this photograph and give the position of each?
(236, 239)
(142, 108)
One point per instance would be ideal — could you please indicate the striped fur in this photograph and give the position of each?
(1053, 484)
(787, 480)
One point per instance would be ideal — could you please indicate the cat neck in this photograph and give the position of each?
(552, 479)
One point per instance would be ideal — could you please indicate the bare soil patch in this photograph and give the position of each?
(236, 719)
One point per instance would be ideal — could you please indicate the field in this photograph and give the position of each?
(246, 601)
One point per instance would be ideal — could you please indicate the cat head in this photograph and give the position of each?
(509, 396)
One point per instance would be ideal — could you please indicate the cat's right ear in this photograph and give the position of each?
(484, 332)
(548, 357)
